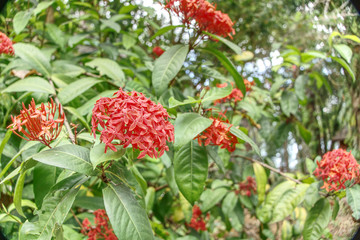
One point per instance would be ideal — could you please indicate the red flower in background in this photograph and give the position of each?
(205, 14)
(101, 230)
(235, 95)
(133, 119)
(336, 168)
(158, 51)
(247, 186)
(6, 45)
(218, 134)
(38, 124)
(197, 221)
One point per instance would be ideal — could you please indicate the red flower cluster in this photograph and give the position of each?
(247, 186)
(205, 14)
(235, 95)
(336, 168)
(218, 134)
(101, 230)
(6, 45)
(158, 51)
(38, 124)
(133, 119)
(197, 221)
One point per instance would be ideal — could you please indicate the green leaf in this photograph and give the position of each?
(67, 68)
(265, 212)
(149, 199)
(310, 165)
(261, 181)
(332, 35)
(76, 88)
(41, 6)
(31, 84)
(305, 134)
(228, 43)
(344, 51)
(2, 145)
(109, 68)
(20, 21)
(289, 103)
(288, 202)
(56, 35)
(352, 197)
(191, 169)
(110, 24)
(57, 204)
(300, 87)
(210, 197)
(174, 103)
(87, 107)
(164, 30)
(44, 179)
(98, 155)
(167, 66)
(128, 41)
(239, 81)
(18, 193)
(188, 126)
(240, 134)
(336, 209)
(213, 154)
(217, 93)
(286, 231)
(317, 220)
(352, 37)
(229, 203)
(346, 66)
(77, 115)
(68, 156)
(128, 219)
(34, 57)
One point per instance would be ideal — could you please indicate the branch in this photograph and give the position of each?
(269, 167)
(66, 123)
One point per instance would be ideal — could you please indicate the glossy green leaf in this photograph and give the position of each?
(56, 35)
(310, 165)
(352, 37)
(109, 68)
(72, 157)
(18, 193)
(216, 93)
(289, 103)
(128, 218)
(210, 197)
(167, 66)
(240, 134)
(108, 23)
(300, 87)
(164, 30)
(229, 203)
(87, 107)
(345, 66)
(3, 143)
(31, 84)
(188, 126)
(317, 220)
(288, 202)
(305, 134)
(286, 231)
(128, 41)
(344, 51)
(191, 169)
(34, 57)
(44, 178)
(228, 43)
(239, 81)
(261, 181)
(98, 155)
(42, 6)
(352, 197)
(20, 21)
(75, 89)
(175, 103)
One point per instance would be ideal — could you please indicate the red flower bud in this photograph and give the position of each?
(158, 51)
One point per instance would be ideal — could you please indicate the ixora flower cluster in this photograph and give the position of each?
(41, 124)
(133, 119)
(205, 14)
(101, 230)
(197, 221)
(235, 95)
(218, 134)
(247, 186)
(336, 168)
(6, 46)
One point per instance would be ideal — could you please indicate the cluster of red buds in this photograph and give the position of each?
(235, 95)
(101, 230)
(247, 186)
(133, 119)
(6, 46)
(197, 221)
(158, 51)
(218, 134)
(336, 168)
(206, 16)
(41, 124)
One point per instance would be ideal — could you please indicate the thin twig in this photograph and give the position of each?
(268, 167)
(66, 123)
(161, 187)
(76, 218)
